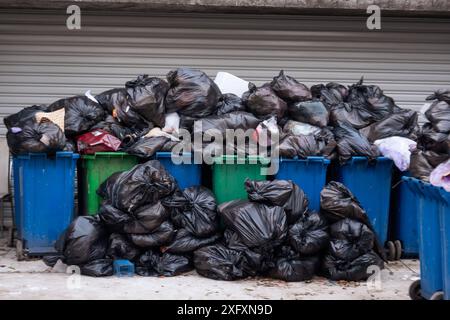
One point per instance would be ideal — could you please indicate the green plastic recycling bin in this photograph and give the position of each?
(229, 173)
(93, 170)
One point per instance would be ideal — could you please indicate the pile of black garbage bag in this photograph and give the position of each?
(144, 218)
(165, 231)
(274, 234)
(353, 245)
(433, 143)
(329, 120)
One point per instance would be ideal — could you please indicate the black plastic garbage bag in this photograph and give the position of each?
(257, 225)
(233, 120)
(372, 99)
(355, 270)
(24, 116)
(440, 95)
(51, 260)
(220, 263)
(291, 266)
(81, 114)
(258, 260)
(185, 242)
(282, 193)
(289, 89)
(86, 239)
(147, 219)
(191, 93)
(350, 239)
(112, 126)
(331, 94)
(358, 117)
(98, 268)
(113, 218)
(263, 102)
(116, 103)
(121, 248)
(161, 236)
(143, 184)
(229, 102)
(351, 143)
(146, 96)
(152, 264)
(303, 146)
(423, 162)
(439, 116)
(313, 112)
(146, 147)
(33, 137)
(309, 235)
(112, 99)
(432, 140)
(338, 202)
(401, 124)
(195, 210)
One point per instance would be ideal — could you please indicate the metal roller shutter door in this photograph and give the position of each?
(41, 61)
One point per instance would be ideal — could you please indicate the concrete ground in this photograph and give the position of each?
(34, 280)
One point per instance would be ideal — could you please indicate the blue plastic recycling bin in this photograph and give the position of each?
(433, 205)
(444, 215)
(404, 212)
(44, 188)
(186, 174)
(310, 174)
(370, 183)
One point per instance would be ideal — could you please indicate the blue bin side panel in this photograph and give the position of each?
(45, 200)
(371, 185)
(309, 174)
(186, 175)
(444, 212)
(405, 218)
(429, 237)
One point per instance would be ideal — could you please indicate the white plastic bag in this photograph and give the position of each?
(229, 83)
(440, 176)
(300, 128)
(397, 149)
(172, 123)
(266, 131)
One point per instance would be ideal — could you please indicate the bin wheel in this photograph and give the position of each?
(19, 250)
(398, 249)
(391, 252)
(414, 291)
(437, 296)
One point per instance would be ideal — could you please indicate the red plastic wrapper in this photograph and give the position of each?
(97, 141)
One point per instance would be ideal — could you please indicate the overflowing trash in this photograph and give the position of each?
(144, 218)
(433, 141)
(165, 231)
(146, 114)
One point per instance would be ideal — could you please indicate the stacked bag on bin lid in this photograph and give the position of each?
(353, 245)
(433, 143)
(271, 234)
(325, 120)
(26, 135)
(146, 219)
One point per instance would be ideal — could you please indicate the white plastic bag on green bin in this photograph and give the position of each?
(397, 149)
